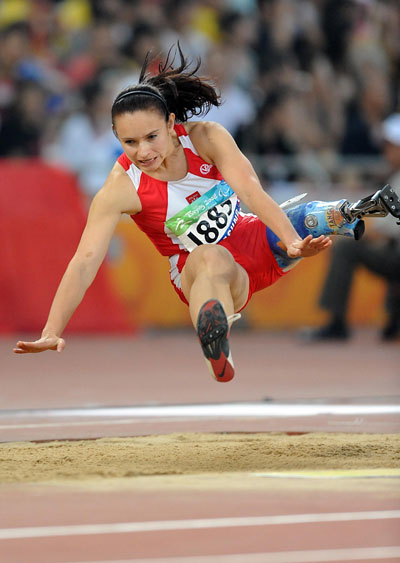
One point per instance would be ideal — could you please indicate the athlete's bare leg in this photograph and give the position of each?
(215, 287)
(211, 272)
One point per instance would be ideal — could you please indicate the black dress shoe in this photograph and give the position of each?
(391, 330)
(326, 333)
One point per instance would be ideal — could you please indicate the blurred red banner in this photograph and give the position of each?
(42, 216)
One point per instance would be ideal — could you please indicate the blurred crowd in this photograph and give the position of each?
(306, 84)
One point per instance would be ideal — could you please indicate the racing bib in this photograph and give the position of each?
(208, 219)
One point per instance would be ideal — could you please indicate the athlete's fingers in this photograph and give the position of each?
(315, 242)
(325, 243)
(309, 246)
(297, 245)
(40, 345)
(297, 248)
(303, 243)
(26, 348)
(23, 345)
(26, 351)
(320, 241)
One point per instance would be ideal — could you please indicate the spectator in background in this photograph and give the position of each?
(236, 37)
(31, 88)
(238, 107)
(378, 251)
(179, 19)
(364, 115)
(144, 38)
(301, 114)
(268, 133)
(21, 126)
(14, 47)
(256, 50)
(98, 54)
(85, 143)
(337, 24)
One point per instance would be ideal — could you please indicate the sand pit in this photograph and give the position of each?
(193, 454)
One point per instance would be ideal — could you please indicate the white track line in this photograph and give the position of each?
(85, 423)
(169, 413)
(196, 524)
(210, 409)
(308, 556)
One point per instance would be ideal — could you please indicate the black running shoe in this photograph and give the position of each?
(213, 332)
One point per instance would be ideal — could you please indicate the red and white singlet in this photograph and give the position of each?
(162, 200)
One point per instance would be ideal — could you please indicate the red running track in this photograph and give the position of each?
(259, 520)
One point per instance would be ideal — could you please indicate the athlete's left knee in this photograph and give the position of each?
(212, 260)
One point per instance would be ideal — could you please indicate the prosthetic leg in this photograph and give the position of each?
(333, 218)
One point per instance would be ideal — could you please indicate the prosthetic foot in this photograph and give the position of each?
(381, 203)
(333, 218)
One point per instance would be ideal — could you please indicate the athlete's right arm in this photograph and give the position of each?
(116, 197)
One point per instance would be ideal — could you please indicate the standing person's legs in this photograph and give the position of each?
(347, 255)
(345, 258)
(383, 258)
(392, 305)
(215, 287)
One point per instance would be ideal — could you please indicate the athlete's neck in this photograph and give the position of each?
(174, 166)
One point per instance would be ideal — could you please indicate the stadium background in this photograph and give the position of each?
(306, 85)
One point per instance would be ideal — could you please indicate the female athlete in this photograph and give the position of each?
(181, 182)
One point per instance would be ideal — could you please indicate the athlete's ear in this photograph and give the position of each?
(171, 122)
(114, 131)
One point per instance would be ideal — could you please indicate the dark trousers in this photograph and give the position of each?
(347, 255)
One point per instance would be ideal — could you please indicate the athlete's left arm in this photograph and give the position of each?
(239, 173)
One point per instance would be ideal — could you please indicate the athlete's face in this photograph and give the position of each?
(145, 137)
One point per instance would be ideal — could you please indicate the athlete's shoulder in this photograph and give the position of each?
(124, 161)
(119, 191)
(116, 176)
(202, 129)
(207, 136)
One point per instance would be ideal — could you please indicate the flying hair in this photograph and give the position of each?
(174, 89)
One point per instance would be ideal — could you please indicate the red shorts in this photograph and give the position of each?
(249, 247)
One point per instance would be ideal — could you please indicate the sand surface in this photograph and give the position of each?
(194, 454)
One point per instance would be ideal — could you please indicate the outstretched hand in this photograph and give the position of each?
(45, 343)
(309, 246)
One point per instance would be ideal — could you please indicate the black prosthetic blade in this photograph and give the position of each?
(390, 200)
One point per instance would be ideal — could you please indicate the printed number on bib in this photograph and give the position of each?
(208, 219)
(208, 230)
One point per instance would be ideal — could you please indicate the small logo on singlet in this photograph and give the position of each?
(192, 197)
(205, 168)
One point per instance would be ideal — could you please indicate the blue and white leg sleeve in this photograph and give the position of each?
(314, 218)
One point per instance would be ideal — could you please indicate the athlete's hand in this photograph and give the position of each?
(309, 246)
(45, 343)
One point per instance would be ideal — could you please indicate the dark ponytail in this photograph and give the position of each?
(172, 90)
